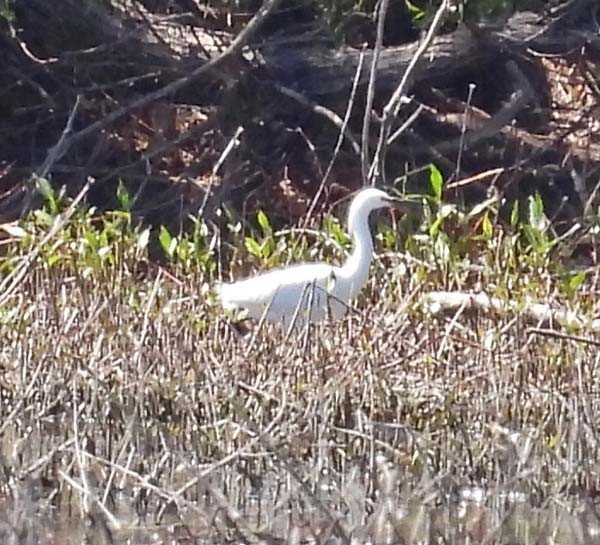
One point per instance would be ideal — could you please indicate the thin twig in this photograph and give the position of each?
(24, 397)
(559, 335)
(463, 129)
(365, 159)
(494, 172)
(323, 111)
(56, 152)
(392, 108)
(235, 47)
(501, 120)
(411, 119)
(338, 144)
(258, 438)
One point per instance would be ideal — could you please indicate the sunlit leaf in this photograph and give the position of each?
(14, 230)
(481, 207)
(263, 221)
(42, 218)
(487, 227)
(123, 196)
(434, 228)
(436, 181)
(416, 13)
(46, 190)
(253, 247)
(514, 214)
(167, 242)
(537, 217)
(575, 281)
(143, 238)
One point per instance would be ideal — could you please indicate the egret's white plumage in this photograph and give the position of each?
(284, 294)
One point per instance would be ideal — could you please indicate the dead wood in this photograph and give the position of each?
(440, 302)
(515, 120)
(189, 112)
(322, 72)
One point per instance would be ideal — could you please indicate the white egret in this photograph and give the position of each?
(312, 291)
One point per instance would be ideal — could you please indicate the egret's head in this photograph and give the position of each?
(371, 198)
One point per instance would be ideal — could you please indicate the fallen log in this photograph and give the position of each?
(318, 71)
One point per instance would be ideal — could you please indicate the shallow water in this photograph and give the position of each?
(35, 511)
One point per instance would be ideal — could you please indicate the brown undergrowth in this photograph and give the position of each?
(132, 411)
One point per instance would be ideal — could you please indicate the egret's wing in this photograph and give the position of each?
(248, 292)
(280, 287)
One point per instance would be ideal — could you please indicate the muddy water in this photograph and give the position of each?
(35, 511)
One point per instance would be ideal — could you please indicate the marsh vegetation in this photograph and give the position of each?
(151, 149)
(134, 412)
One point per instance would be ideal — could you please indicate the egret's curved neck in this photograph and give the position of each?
(357, 266)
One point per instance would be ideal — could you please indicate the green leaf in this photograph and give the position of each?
(42, 218)
(434, 228)
(264, 223)
(333, 227)
(184, 250)
(514, 214)
(123, 196)
(416, 13)
(445, 211)
(164, 237)
(534, 237)
(487, 227)
(44, 188)
(253, 247)
(92, 240)
(47, 191)
(55, 258)
(436, 181)
(575, 281)
(167, 242)
(441, 248)
(172, 247)
(537, 217)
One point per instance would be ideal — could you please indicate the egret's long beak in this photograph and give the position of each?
(404, 205)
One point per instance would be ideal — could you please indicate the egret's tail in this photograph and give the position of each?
(226, 295)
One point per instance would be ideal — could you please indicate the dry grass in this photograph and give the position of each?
(133, 412)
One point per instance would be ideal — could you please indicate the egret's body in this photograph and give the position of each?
(284, 294)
